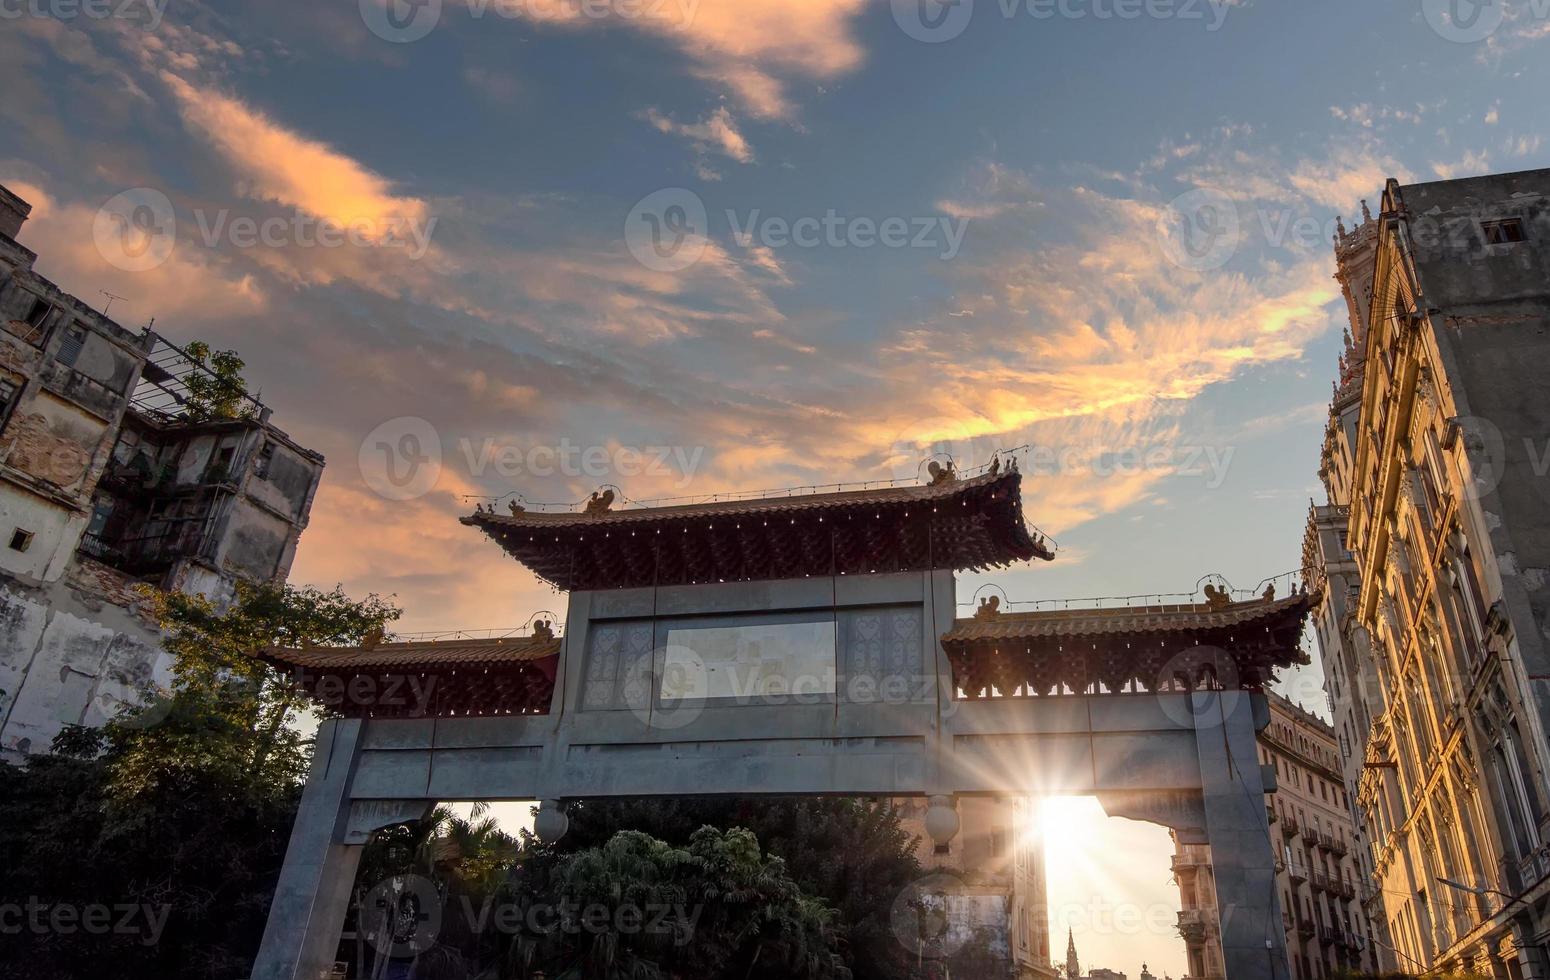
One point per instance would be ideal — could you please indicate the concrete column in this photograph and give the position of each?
(1243, 856)
(312, 896)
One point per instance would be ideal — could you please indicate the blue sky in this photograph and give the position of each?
(513, 146)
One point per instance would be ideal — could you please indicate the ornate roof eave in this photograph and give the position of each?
(1130, 620)
(1149, 649)
(453, 678)
(974, 523)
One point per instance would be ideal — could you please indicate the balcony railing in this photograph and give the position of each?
(1183, 863)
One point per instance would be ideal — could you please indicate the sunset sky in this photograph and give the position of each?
(496, 296)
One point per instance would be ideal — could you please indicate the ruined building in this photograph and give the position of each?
(1431, 560)
(117, 469)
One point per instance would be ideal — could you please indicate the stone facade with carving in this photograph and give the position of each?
(999, 902)
(1433, 550)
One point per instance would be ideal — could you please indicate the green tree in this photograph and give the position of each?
(726, 909)
(216, 389)
(879, 856)
(180, 808)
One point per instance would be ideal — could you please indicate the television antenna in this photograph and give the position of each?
(111, 297)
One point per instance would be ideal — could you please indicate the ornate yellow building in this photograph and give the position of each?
(1431, 559)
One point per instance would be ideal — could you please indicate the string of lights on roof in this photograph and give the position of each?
(1293, 581)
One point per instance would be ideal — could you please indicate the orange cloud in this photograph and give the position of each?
(279, 165)
(750, 46)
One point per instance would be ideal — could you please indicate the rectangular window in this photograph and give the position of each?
(1504, 232)
(753, 661)
(8, 393)
(265, 460)
(21, 540)
(70, 346)
(34, 325)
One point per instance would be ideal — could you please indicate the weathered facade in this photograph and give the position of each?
(1318, 874)
(1434, 552)
(999, 903)
(108, 481)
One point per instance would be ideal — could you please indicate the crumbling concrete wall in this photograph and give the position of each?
(72, 652)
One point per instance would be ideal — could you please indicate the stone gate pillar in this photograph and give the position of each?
(1238, 830)
(313, 893)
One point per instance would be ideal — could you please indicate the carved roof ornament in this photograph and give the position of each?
(989, 608)
(542, 630)
(941, 473)
(1217, 598)
(1269, 594)
(373, 638)
(600, 503)
(515, 508)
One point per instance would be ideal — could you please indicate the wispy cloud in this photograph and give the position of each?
(717, 132)
(277, 164)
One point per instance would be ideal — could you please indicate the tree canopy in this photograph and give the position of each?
(173, 818)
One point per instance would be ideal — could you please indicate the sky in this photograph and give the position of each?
(481, 247)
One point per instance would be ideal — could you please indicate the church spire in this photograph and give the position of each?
(1073, 968)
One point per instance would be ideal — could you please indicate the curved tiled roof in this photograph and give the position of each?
(972, 523)
(1124, 620)
(405, 656)
(792, 503)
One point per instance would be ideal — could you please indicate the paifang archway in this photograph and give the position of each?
(798, 645)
